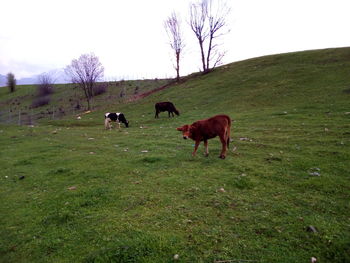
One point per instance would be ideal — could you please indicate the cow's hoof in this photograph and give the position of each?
(222, 156)
(206, 154)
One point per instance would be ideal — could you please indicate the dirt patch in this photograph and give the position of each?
(147, 93)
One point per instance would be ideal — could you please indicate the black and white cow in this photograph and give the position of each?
(118, 117)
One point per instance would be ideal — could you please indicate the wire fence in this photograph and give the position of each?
(123, 93)
(30, 117)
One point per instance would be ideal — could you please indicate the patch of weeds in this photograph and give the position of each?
(23, 162)
(338, 251)
(221, 203)
(273, 158)
(58, 217)
(89, 174)
(266, 231)
(136, 247)
(51, 246)
(241, 182)
(61, 170)
(151, 159)
(71, 123)
(134, 202)
(92, 197)
(346, 91)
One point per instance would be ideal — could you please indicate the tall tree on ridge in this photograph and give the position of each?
(173, 28)
(11, 82)
(207, 21)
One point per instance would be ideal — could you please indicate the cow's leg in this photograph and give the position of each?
(224, 146)
(195, 148)
(206, 148)
(107, 124)
(156, 115)
(118, 124)
(168, 114)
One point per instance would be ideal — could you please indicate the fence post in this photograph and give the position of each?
(31, 117)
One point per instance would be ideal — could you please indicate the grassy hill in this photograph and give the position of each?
(73, 192)
(20, 107)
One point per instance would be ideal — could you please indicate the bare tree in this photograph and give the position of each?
(11, 82)
(173, 28)
(207, 21)
(45, 84)
(85, 71)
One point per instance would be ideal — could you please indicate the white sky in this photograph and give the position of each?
(129, 37)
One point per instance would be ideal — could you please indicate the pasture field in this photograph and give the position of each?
(72, 191)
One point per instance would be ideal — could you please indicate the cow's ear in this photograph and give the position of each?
(179, 129)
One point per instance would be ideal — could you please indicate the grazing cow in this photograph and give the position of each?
(165, 106)
(203, 130)
(117, 117)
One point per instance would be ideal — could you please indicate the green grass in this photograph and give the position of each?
(291, 120)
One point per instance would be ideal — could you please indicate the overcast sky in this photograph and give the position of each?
(129, 37)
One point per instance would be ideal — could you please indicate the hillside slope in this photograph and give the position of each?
(305, 79)
(72, 191)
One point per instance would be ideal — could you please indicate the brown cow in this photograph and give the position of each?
(203, 130)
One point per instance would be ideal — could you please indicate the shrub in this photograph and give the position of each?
(41, 101)
(100, 89)
(122, 93)
(44, 87)
(44, 90)
(136, 91)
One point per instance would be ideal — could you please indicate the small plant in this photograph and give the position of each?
(41, 101)
(136, 91)
(122, 93)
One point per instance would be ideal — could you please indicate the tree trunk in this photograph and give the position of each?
(209, 51)
(202, 54)
(88, 102)
(177, 66)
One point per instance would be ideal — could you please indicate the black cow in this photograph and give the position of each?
(117, 117)
(165, 106)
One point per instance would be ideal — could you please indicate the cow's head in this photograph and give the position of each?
(185, 131)
(177, 112)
